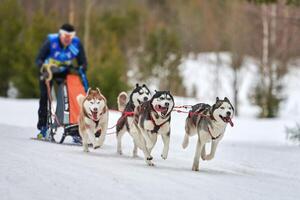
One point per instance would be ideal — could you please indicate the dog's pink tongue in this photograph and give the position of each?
(94, 115)
(160, 109)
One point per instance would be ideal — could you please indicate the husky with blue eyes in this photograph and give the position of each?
(153, 118)
(93, 118)
(209, 123)
(126, 105)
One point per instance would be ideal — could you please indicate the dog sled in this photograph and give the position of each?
(62, 114)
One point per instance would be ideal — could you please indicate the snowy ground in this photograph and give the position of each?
(252, 162)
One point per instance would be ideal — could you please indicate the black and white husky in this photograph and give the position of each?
(139, 95)
(150, 119)
(209, 123)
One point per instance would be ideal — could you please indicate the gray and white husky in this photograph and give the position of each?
(150, 119)
(140, 94)
(209, 123)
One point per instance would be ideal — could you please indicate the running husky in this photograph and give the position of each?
(139, 95)
(150, 119)
(209, 122)
(93, 118)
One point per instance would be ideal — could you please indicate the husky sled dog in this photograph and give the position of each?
(150, 119)
(93, 118)
(139, 95)
(209, 123)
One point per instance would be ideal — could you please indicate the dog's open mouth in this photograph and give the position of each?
(163, 110)
(227, 120)
(94, 115)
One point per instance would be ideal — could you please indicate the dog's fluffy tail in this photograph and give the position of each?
(122, 100)
(80, 99)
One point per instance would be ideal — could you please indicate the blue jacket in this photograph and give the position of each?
(53, 51)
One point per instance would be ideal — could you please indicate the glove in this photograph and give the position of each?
(57, 70)
(44, 75)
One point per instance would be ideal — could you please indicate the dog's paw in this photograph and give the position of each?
(184, 145)
(208, 157)
(120, 152)
(149, 158)
(96, 146)
(195, 168)
(164, 156)
(150, 163)
(86, 150)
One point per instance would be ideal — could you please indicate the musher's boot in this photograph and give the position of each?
(77, 140)
(43, 133)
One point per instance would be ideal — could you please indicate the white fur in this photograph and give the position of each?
(147, 140)
(87, 126)
(136, 99)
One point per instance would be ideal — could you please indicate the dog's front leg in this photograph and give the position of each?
(199, 147)
(143, 147)
(213, 148)
(166, 141)
(149, 143)
(141, 143)
(102, 136)
(134, 152)
(153, 138)
(92, 138)
(203, 152)
(85, 138)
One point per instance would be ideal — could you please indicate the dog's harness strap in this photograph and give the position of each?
(124, 115)
(212, 137)
(157, 127)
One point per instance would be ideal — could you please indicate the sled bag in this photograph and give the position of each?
(74, 87)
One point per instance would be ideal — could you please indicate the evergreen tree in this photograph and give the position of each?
(10, 41)
(26, 72)
(107, 71)
(161, 59)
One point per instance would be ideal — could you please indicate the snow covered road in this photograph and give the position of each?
(38, 170)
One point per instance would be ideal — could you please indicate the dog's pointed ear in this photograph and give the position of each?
(98, 90)
(217, 99)
(136, 85)
(226, 99)
(155, 91)
(144, 85)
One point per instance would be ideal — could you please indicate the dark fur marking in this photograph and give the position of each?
(144, 111)
(129, 108)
